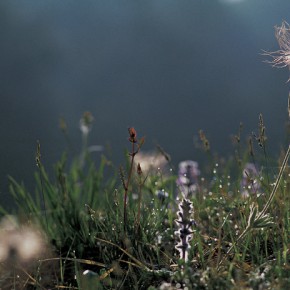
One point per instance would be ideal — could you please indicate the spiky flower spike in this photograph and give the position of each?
(185, 224)
(187, 181)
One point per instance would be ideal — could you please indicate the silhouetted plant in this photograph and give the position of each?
(136, 146)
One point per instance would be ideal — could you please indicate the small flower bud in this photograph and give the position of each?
(86, 122)
(133, 135)
(139, 169)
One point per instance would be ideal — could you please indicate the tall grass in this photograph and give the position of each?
(227, 241)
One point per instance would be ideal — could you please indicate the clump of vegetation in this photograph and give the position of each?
(225, 225)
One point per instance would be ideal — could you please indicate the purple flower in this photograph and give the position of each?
(187, 181)
(250, 183)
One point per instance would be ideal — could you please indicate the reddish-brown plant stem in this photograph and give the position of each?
(140, 183)
(132, 139)
(139, 206)
(127, 183)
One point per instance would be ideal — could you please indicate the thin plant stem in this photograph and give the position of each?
(42, 193)
(241, 236)
(140, 186)
(127, 184)
(282, 169)
(139, 203)
(39, 165)
(139, 206)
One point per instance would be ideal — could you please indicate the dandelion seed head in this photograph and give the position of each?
(281, 58)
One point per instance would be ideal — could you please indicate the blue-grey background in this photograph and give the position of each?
(166, 67)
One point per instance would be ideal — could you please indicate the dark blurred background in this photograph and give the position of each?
(166, 67)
